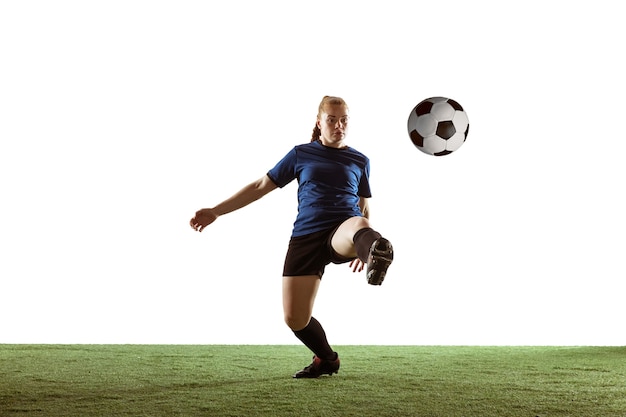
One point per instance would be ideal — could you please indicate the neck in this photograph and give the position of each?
(336, 145)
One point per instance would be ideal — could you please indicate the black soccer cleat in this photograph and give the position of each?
(379, 259)
(319, 367)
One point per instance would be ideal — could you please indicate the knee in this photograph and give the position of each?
(360, 223)
(296, 323)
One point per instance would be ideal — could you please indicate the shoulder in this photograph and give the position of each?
(307, 146)
(358, 155)
(356, 152)
(311, 149)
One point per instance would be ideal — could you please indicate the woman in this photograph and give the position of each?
(331, 226)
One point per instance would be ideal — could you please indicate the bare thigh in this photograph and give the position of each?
(342, 241)
(299, 294)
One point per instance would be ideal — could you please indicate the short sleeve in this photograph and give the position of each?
(364, 184)
(285, 170)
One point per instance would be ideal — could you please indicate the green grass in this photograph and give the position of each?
(183, 380)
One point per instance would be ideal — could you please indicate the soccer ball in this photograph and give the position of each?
(438, 126)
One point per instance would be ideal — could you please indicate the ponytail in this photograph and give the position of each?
(316, 134)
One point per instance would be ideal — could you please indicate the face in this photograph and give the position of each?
(333, 124)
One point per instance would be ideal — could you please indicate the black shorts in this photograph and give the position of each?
(309, 254)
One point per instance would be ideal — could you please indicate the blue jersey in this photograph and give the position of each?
(330, 182)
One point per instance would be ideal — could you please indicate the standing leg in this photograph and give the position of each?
(298, 298)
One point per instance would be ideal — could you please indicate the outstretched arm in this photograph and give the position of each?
(242, 198)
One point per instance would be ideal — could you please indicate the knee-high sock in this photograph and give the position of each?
(314, 337)
(363, 240)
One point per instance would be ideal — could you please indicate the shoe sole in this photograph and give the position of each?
(305, 373)
(313, 376)
(379, 262)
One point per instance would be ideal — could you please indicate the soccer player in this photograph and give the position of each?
(332, 225)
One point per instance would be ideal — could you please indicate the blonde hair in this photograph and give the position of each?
(326, 101)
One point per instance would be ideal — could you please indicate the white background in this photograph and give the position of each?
(120, 119)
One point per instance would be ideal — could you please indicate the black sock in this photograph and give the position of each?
(363, 240)
(314, 337)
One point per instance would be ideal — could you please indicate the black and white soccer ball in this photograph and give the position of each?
(438, 126)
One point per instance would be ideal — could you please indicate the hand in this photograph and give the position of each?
(202, 219)
(357, 265)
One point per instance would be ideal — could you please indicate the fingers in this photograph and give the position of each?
(195, 225)
(356, 265)
(202, 219)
